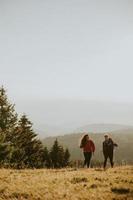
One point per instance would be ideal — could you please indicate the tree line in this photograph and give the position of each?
(19, 145)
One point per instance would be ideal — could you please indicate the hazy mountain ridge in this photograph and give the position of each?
(95, 128)
(101, 128)
(53, 117)
(47, 130)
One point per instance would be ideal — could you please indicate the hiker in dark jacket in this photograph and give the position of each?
(108, 149)
(88, 147)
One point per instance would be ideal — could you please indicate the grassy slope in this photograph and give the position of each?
(81, 184)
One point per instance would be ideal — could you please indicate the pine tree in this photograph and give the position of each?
(4, 151)
(8, 116)
(66, 157)
(27, 149)
(56, 155)
(8, 120)
(46, 158)
(59, 157)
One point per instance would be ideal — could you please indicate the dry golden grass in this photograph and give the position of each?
(67, 184)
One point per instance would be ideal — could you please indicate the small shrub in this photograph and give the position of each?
(20, 195)
(2, 190)
(79, 180)
(93, 186)
(98, 169)
(120, 190)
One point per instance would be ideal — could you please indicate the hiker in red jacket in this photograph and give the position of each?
(88, 147)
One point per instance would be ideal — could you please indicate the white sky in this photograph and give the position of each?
(67, 49)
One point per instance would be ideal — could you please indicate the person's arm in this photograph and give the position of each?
(113, 143)
(110, 142)
(93, 146)
(103, 146)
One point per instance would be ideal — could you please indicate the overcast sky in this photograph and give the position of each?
(74, 49)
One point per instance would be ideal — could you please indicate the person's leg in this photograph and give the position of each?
(105, 160)
(89, 155)
(85, 159)
(111, 158)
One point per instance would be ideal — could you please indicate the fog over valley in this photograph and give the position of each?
(52, 117)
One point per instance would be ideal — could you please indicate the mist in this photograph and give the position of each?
(62, 116)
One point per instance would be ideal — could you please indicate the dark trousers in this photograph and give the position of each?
(110, 156)
(87, 156)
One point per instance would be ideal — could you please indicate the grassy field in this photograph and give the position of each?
(67, 184)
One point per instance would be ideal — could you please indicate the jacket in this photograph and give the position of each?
(89, 146)
(108, 146)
